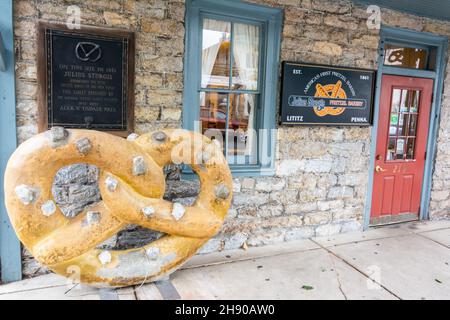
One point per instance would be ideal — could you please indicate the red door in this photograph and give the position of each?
(403, 123)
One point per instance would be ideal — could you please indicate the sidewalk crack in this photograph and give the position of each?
(336, 272)
(357, 269)
(437, 242)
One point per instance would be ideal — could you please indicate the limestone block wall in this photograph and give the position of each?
(440, 195)
(321, 172)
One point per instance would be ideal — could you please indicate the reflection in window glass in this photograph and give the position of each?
(415, 101)
(402, 124)
(396, 97)
(412, 124)
(410, 149)
(404, 101)
(391, 149)
(404, 57)
(241, 124)
(213, 114)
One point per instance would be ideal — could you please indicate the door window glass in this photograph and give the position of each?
(403, 124)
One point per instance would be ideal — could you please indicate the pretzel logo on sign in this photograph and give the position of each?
(329, 91)
(132, 185)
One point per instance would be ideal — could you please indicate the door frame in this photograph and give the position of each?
(10, 250)
(420, 39)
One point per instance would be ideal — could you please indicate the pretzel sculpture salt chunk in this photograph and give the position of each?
(132, 185)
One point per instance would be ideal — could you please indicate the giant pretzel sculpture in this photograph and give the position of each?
(132, 185)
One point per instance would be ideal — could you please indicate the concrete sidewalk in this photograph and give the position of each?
(406, 261)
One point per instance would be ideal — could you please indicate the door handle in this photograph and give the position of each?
(379, 169)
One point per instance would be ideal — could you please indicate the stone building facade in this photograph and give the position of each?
(321, 175)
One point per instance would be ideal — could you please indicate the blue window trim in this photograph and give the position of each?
(10, 252)
(271, 19)
(413, 38)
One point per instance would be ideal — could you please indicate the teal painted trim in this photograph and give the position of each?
(235, 8)
(191, 66)
(373, 139)
(409, 72)
(2, 54)
(221, 90)
(270, 20)
(434, 128)
(396, 35)
(10, 252)
(242, 172)
(400, 35)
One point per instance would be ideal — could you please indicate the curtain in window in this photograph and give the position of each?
(246, 57)
(214, 31)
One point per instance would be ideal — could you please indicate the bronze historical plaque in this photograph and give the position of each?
(86, 78)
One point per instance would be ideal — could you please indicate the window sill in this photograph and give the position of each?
(247, 171)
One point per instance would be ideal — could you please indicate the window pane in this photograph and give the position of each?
(404, 101)
(400, 148)
(216, 54)
(402, 124)
(410, 149)
(213, 115)
(391, 149)
(393, 124)
(412, 125)
(242, 133)
(415, 98)
(396, 97)
(245, 56)
(397, 56)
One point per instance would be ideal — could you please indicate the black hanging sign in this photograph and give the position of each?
(324, 95)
